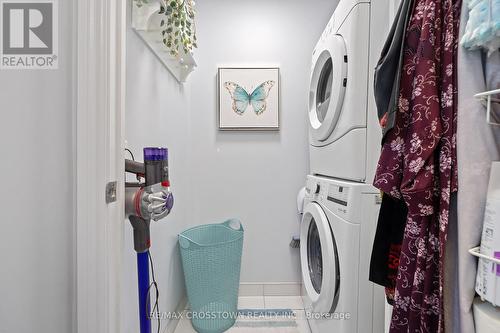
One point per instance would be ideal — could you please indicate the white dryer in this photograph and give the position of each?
(336, 237)
(342, 129)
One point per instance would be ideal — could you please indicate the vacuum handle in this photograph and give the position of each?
(134, 167)
(142, 240)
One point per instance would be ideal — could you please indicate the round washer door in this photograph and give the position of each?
(327, 89)
(319, 260)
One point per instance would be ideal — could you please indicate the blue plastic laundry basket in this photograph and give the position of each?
(211, 259)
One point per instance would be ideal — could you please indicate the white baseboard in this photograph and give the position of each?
(270, 289)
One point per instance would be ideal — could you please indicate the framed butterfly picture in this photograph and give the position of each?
(249, 98)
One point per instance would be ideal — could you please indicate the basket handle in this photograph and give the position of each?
(186, 243)
(233, 224)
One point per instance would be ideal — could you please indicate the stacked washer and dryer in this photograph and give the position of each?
(341, 206)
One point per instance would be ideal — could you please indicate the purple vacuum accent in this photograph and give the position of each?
(155, 154)
(155, 165)
(496, 255)
(170, 201)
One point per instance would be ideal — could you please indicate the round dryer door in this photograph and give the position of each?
(328, 83)
(319, 260)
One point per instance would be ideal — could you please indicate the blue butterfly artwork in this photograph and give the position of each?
(242, 99)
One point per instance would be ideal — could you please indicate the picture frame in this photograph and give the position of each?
(249, 98)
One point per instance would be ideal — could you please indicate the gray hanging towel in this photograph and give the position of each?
(388, 69)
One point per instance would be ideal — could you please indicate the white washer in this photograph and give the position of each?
(336, 238)
(343, 126)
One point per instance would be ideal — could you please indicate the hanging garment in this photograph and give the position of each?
(483, 25)
(387, 244)
(392, 215)
(388, 69)
(418, 162)
(478, 143)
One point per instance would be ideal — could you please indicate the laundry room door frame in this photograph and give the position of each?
(99, 48)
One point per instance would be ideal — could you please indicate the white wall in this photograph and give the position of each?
(157, 114)
(254, 176)
(36, 149)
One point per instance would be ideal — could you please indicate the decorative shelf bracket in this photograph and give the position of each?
(146, 23)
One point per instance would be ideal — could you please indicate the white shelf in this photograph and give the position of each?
(146, 23)
(487, 99)
(486, 316)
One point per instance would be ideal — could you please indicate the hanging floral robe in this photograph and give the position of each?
(418, 162)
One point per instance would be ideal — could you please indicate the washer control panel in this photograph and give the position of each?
(338, 194)
(345, 199)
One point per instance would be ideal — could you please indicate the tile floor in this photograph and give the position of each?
(262, 302)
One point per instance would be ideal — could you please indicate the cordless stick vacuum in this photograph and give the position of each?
(151, 200)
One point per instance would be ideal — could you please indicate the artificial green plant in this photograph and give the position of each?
(177, 24)
(178, 28)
